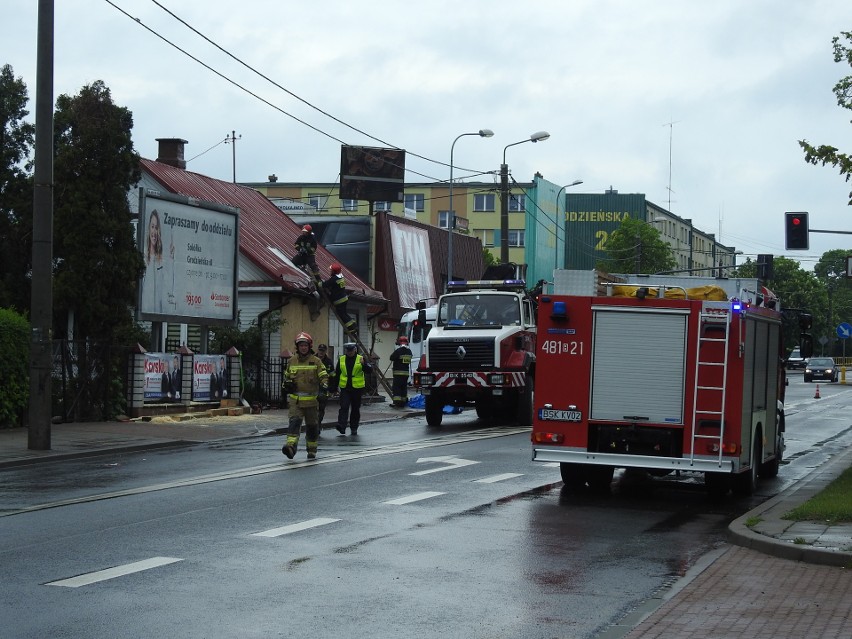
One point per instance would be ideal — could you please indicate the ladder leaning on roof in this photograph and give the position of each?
(714, 327)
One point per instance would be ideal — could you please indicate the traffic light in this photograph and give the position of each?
(796, 231)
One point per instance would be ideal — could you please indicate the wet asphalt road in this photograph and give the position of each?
(405, 532)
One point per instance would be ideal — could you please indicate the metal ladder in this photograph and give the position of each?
(354, 337)
(712, 314)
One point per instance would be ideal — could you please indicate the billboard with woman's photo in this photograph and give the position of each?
(190, 250)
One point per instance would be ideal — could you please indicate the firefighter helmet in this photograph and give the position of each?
(304, 337)
(335, 268)
(307, 228)
(402, 340)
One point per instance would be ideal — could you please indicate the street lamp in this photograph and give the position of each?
(451, 222)
(504, 195)
(559, 220)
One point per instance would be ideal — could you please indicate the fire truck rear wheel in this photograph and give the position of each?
(434, 410)
(600, 478)
(573, 475)
(746, 483)
(485, 408)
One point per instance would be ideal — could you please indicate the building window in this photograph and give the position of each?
(381, 206)
(486, 235)
(483, 202)
(319, 201)
(518, 203)
(414, 201)
(444, 219)
(348, 205)
(516, 238)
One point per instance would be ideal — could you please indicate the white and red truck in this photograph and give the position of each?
(661, 373)
(481, 351)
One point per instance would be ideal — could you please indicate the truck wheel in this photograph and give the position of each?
(434, 410)
(485, 408)
(717, 484)
(600, 478)
(525, 403)
(573, 475)
(746, 483)
(770, 468)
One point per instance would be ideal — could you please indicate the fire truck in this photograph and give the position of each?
(481, 352)
(661, 373)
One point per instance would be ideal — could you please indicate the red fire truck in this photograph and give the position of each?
(481, 352)
(664, 374)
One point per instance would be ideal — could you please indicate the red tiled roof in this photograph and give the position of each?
(263, 227)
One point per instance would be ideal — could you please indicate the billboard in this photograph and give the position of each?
(412, 262)
(372, 174)
(190, 250)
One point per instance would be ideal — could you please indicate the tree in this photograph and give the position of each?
(97, 263)
(16, 143)
(831, 271)
(636, 247)
(826, 154)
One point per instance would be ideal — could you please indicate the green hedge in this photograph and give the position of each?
(14, 367)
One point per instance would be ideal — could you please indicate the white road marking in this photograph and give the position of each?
(112, 573)
(452, 460)
(411, 498)
(496, 478)
(302, 525)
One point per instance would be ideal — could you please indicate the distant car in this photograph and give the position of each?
(796, 360)
(821, 368)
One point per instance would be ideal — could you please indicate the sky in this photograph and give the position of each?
(699, 105)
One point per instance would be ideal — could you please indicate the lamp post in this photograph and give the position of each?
(558, 220)
(451, 222)
(504, 195)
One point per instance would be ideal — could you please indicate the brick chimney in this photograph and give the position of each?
(171, 152)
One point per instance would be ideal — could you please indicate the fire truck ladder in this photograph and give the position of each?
(353, 335)
(714, 327)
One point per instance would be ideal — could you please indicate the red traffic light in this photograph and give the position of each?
(796, 231)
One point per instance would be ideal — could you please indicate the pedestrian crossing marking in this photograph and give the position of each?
(112, 573)
(496, 478)
(292, 528)
(412, 498)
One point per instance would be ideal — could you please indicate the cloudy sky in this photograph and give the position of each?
(697, 104)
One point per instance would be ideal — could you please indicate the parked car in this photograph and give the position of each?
(796, 360)
(821, 368)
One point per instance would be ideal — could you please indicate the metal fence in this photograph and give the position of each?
(87, 383)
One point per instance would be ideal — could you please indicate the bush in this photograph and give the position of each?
(14, 371)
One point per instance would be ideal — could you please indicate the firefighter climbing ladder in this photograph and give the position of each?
(354, 337)
(714, 327)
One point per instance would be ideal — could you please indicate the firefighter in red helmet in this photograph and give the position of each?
(401, 360)
(305, 380)
(335, 287)
(306, 249)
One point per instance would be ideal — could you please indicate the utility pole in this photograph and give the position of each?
(504, 212)
(41, 300)
(233, 140)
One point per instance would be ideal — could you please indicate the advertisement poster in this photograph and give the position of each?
(208, 377)
(190, 252)
(412, 263)
(162, 377)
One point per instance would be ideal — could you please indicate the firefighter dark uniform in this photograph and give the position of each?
(335, 286)
(304, 380)
(350, 373)
(322, 353)
(306, 249)
(401, 360)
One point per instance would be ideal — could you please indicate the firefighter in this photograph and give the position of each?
(306, 249)
(335, 286)
(351, 373)
(322, 353)
(305, 380)
(401, 360)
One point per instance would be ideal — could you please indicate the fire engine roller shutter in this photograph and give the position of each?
(638, 365)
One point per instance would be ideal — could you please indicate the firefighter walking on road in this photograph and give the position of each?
(401, 360)
(335, 286)
(351, 373)
(305, 381)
